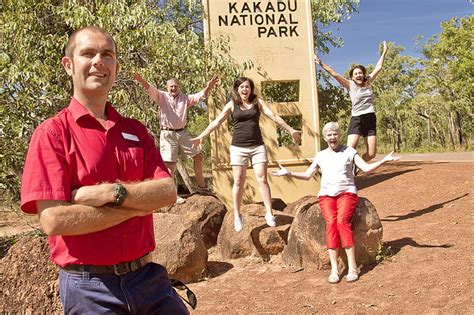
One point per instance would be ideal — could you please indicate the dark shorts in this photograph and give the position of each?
(364, 125)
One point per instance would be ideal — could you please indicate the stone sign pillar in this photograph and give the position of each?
(276, 36)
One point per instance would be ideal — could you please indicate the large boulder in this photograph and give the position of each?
(28, 279)
(256, 237)
(179, 247)
(368, 232)
(207, 211)
(294, 208)
(307, 238)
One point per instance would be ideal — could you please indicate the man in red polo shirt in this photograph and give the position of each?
(94, 178)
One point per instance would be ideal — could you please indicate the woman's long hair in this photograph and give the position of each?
(235, 91)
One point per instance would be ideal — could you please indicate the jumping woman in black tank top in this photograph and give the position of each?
(247, 144)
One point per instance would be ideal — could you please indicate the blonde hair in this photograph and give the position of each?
(331, 126)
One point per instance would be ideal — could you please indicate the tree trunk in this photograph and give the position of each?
(451, 128)
(429, 131)
(185, 176)
(459, 123)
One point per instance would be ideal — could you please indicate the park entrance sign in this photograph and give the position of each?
(276, 37)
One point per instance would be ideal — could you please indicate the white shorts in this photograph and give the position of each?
(175, 143)
(241, 156)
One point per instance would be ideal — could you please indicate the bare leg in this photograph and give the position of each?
(333, 254)
(238, 172)
(353, 272)
(353, 140)
(371, 148)
(198, 158)
(261, 176)
(351, 260)
(171, 167)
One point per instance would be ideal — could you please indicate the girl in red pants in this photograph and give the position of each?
(338, 194)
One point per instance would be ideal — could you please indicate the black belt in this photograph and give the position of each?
(171, 129)
(118, 269)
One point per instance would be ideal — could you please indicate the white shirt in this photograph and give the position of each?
(362, 99)
(336, 168)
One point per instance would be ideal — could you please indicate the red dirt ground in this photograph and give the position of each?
(426, 210)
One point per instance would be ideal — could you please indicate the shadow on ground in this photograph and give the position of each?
(417, 213)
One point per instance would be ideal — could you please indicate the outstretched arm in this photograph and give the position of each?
(367, 167)
(152, 91)
(306, 175)
(92, 208)
(214, 124)
(295, 134)
(339, 78)
(379, 65)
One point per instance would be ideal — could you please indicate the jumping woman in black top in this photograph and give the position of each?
(247, 144)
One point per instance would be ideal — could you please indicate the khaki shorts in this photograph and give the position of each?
(176, 143)
(241, 156)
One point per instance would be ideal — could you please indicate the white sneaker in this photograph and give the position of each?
(180, 201)
(270, 219)
(238, 223)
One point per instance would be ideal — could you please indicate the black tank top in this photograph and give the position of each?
(246, 127)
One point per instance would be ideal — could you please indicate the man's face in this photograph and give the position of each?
(93, 66)
(173, 88)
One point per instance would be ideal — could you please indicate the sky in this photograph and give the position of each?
(398, 21)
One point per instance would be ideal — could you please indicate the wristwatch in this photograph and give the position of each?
(120, 193)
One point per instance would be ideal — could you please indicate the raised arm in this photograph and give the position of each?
(339, 78)
(92, 208)
(295, 134)
(367, 167)
(152, 91)
(379, 65)
(210, 84)
(214, 124)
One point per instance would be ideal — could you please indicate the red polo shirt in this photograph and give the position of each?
(72, 150)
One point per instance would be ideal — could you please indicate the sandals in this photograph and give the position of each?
(334, 277)
(352, 275)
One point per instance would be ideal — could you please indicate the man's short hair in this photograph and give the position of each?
(172, 80)
(71, 43)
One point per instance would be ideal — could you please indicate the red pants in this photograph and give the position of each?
(337, 212)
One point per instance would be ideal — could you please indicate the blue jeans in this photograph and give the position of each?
(145, 291)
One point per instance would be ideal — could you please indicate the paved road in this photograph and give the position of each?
(438, 157)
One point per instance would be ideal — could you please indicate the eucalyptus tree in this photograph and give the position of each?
(448, 77)
(34, 86)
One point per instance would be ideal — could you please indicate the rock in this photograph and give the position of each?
(277, 204)
(294, 207)
(368, 232)
(29, 280)
(256, 237)
(179, 247)
(307, 237)
(207, 211)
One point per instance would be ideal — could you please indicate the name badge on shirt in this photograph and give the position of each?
(130, 137)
